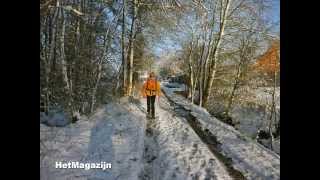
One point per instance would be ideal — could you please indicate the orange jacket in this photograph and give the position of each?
(151, 92)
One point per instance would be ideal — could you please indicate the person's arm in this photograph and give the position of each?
(158, 90)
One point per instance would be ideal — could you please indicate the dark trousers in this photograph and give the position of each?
(150, 105)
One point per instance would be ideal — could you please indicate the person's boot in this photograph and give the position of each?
(148, 115)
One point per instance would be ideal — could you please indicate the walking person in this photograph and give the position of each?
(151, 90)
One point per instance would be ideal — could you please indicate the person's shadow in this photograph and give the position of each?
(116, 138)
(100, 148)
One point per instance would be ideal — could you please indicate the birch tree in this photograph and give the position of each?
(246, 53)
(213, 64)
(131, 46)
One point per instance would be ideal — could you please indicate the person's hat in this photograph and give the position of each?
(152, 74)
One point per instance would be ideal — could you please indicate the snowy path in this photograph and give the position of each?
(180, 153)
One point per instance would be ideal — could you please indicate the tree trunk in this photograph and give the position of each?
(201, 83)
(62, 54)
(213, 64)
(201, 77)
(273, 110)
(124, 59)
(94, 91)
(52, 30)
(194, 89)
(46, 89)
(196, 75)
(44, 57)
(191, 80)
(234, 88)
(99, 67)
(118, 80)
(131, 51)
(208, 55)
(64, 69)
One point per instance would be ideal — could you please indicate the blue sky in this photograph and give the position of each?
(169, 45)
(276, 10)
(275, 13)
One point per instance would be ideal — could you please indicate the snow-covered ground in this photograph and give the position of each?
(252, 114)
(116, 134)
(164, 149)
(180, 152)
(263, 95)
(112, 135)
(252, 118)
(249, 157)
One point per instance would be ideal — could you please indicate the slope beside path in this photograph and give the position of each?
(252, 159)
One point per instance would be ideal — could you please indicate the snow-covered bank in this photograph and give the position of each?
(112, 135)
(249, 157)
(251, 115)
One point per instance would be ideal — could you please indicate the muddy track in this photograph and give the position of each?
(150, 153)
(208, 138)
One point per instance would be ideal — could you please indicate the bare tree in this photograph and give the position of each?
(213, 64)
(246, 53)
(124, 64)
(131, 46)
